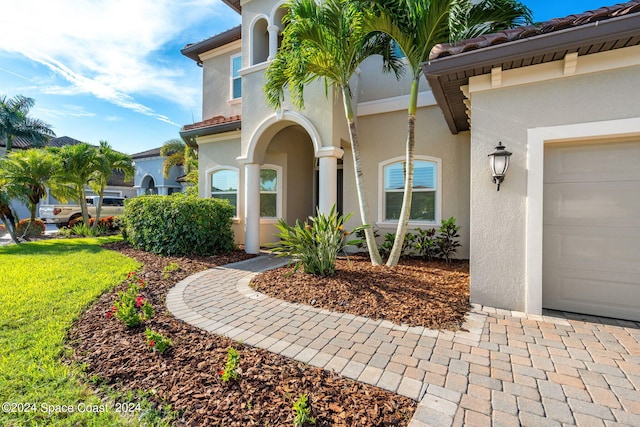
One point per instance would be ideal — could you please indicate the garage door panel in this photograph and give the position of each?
(591, 234)
(602, 203)
(583, 291)
(592, 248)
(592, 162)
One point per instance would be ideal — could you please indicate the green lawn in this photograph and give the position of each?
(44, 287)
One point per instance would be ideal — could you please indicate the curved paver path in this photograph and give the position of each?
(505, 369)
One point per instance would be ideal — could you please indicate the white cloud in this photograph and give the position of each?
(110, 49)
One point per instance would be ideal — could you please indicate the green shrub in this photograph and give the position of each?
(178, 225)
(448, 242)
(34, 230)
(425, 243)
(314, 246)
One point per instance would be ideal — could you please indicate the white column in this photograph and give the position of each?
(252, 208)
(273, 30)
(328, 177)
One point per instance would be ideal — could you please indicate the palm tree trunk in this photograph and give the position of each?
(98, 209)
(405, 211)
(365, 216)
(83, 206)
(9, 221)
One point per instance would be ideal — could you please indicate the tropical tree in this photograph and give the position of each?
(416, 27)
(109, 160)
(15, 122)
(34, 170)
(328, 40)
(80, 166)
(178, 153)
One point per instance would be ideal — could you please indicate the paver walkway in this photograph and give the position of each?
(506, 369)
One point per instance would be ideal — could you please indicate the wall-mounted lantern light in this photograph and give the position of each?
(499, 161)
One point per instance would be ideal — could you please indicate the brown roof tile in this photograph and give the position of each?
(213, 121)
(553, 25)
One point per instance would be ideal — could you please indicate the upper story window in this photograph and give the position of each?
(259, 41)
(224, 185)
(270, 191)
(236, 80)
(425, 204)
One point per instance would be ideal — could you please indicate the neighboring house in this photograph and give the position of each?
(149, 178)
(563, 97)
(116, 186)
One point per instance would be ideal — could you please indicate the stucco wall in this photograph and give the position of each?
(498, 219)
(216, 80)
(382, 137)
(152, 166)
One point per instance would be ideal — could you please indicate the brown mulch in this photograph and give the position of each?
(417, 293)
(187, 377)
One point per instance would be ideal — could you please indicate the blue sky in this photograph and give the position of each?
(112, 69)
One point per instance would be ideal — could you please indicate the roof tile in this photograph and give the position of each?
(557, 24)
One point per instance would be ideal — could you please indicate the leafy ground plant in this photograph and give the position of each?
(156, 341)
(315, 244)
(44, 286)
(302, 412)
(230, 371)
(131, 307)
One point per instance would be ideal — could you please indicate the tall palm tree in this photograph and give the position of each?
(33, 169)
(15, 122)
(178, 153)
(328, 41)
(109, 160)
(417, 26)
(80, 166)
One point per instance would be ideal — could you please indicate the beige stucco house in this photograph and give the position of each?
(563, 232)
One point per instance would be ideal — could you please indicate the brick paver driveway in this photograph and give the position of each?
(506, 369)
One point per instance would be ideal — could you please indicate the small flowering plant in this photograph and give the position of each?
(231, 370)
(130, 307)
(156, 341)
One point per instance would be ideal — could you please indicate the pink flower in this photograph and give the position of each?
(221, 372)
(139, 302)
(152, 343)
(109, 314)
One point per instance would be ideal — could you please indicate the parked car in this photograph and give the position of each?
(61, 215)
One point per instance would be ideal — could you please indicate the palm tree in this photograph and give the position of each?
(178, 153)
(328, 41)
(416, 27)
(15, 122)
(33, 169)
(80, 166)
(109, 160)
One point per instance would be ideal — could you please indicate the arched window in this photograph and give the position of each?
(270, 191)
(259, 42)
(224, 185)
(425, 204)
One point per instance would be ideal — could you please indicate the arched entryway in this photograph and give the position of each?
(148, 186)
(287, 173)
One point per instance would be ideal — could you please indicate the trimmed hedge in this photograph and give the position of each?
(178, 225)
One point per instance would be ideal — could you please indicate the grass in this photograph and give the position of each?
(44, 287)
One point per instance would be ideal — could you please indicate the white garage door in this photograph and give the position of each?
(591, 259)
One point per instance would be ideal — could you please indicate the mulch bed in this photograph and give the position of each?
(187, 375)
(417, 293)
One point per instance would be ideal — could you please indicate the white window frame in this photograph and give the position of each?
(382, 222)
(209, 174)
(278, 169)
(232, 78)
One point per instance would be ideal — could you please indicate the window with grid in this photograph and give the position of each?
(423, 204)
(224, 185)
